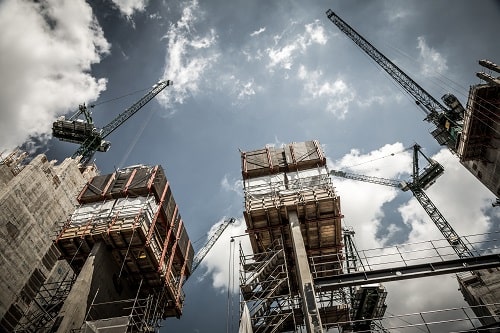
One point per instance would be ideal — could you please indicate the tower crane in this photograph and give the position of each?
(447, 120)
(88, 136)
(421, 180)
(200, 255)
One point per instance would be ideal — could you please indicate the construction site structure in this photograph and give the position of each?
(478, 287)
(128, 245)
(479, 146)
(34, 195)
(472, 133)
(293, 219)
(421, 180)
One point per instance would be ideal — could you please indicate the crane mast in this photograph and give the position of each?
(448, 121)
(421, 180)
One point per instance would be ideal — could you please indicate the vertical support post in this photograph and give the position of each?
(306, 283)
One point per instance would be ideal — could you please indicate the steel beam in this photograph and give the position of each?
(409, 272)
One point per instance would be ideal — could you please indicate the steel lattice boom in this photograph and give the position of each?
(448, 121)
(210, 243)
(420, 181)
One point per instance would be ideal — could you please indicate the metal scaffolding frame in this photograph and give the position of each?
(266, 292)
(46, 305)
(457, 320)
(140, 314)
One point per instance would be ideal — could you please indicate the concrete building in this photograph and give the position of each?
(33, 199)
(479, 146)
(481, 290)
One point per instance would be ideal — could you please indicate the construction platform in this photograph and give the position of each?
(303, 185)
(133, 212)
(293, 220)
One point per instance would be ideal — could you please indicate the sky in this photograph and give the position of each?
(247, 74)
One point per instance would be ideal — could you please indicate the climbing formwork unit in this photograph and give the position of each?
(293, 218)
(128, 239)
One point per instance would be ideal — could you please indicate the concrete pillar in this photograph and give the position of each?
(306, 283)
(95, 282)
(75, 307)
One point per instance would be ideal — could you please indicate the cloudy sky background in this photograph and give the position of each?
(247, 74)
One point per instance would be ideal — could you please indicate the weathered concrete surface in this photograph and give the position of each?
(94, 285)
(34, 199)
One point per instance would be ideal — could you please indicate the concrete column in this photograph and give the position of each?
(306, 283)
(75, 306)
(95, 282)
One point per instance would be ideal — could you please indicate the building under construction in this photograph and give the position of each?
(293, 219)
(479, 146)
(124, 250)
(34, 196)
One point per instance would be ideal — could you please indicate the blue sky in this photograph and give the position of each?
(250, 74)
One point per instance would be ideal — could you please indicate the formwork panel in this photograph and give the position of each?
(134, 213)
(292, 157)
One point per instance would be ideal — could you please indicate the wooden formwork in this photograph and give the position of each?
(143, 229)
(291, 157)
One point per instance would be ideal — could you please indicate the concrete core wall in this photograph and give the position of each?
(34, 199)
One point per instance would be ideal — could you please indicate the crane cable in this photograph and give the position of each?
(119, 97)
(439, 81)
(375, 159)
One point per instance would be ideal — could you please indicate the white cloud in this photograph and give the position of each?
(355, 194)
(433, 62)
(458, 195)
(47, 52)
(258, 32)
(233, 185)
(338, 94)
(128, 7)
(189, 56)
(225, 253)
(282, 56)
(316, 33)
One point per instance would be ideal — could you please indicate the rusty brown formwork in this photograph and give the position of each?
(291, 157)
(148, 239)
(273, 187)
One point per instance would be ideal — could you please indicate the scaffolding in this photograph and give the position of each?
(293, 219)
(133, 216)
(42, 313)
(266, 291)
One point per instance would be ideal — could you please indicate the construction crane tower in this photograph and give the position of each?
(447, 119)
(90, 138)
(421, 180)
